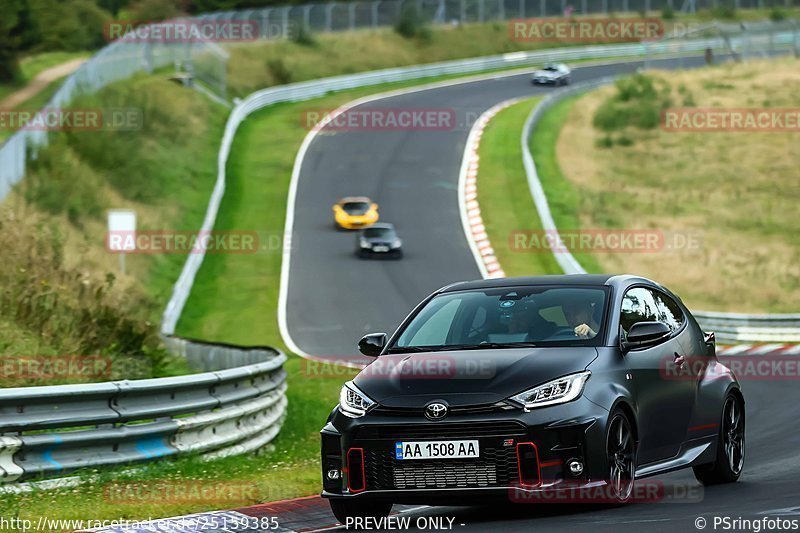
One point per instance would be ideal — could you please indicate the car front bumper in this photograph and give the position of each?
(521, 454)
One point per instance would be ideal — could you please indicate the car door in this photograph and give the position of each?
(663, 405)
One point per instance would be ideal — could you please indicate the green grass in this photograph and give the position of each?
(506, 205)
(566, 200)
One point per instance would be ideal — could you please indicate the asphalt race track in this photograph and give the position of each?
(334, 298)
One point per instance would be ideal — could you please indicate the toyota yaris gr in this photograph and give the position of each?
(511, 387)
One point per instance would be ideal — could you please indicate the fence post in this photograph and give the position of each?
(542, 10)
(375, 5)
(522, 9)
(351, 15)
(329, 16)
(285, 22)
(480, 10)
(463, 11)
(501, 9)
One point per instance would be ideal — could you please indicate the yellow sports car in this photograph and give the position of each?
(355, 212)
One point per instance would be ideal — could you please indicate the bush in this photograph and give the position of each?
(637, 103)
(624, 140)
(724, 12)
(280, 73)
(667, 13)
(778, 14)
(604, 142)
(304, 36)
(410, 24)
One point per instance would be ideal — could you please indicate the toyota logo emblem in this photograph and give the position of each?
(435, 411)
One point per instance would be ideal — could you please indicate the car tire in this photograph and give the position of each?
(621, 453)
(729, 461)
(361, 508)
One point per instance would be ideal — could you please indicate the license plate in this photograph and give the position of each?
(447, 449)
(381, 249)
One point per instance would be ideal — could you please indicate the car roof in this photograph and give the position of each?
(589, 280)
(379, 225)
(355, 199)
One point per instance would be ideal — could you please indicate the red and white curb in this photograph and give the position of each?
(474, 227)
(747, 350)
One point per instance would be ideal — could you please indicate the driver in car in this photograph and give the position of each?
(579, 316)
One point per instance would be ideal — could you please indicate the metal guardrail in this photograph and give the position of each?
(55, 430)
(729, 327)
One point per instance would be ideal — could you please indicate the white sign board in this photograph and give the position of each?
(121, 230)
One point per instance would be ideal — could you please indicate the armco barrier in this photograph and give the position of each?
(52, 431)
(729, 327)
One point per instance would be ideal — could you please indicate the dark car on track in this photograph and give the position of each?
(517, 387)
(380, 239)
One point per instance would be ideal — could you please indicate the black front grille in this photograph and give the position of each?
(496, 467)
(441, 430)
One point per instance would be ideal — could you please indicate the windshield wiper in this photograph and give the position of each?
(411, 349)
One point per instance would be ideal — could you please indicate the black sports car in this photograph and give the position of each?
(379, 239)
(509, 387)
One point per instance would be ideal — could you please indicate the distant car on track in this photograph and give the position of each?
(535, 390)
(355, 212)
(380, 239)
(552, 74)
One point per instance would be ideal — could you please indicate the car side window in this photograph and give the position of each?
(669, 312)
(638, 305)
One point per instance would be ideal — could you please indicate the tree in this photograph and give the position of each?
(10, 39)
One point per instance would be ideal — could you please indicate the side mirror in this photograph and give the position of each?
(644, 334)
(374, 207)
(372, 345)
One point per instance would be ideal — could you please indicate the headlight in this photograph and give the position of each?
(365, 244)
(397, 243)
(353, 402)
(559, 390)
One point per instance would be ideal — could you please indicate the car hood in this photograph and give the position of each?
(468, 377)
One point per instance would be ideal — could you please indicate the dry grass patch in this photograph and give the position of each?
(737, 193)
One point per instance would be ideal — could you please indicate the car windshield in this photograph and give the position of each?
(551, 68)
(355, 208)
(507, 317)
(379, 233)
